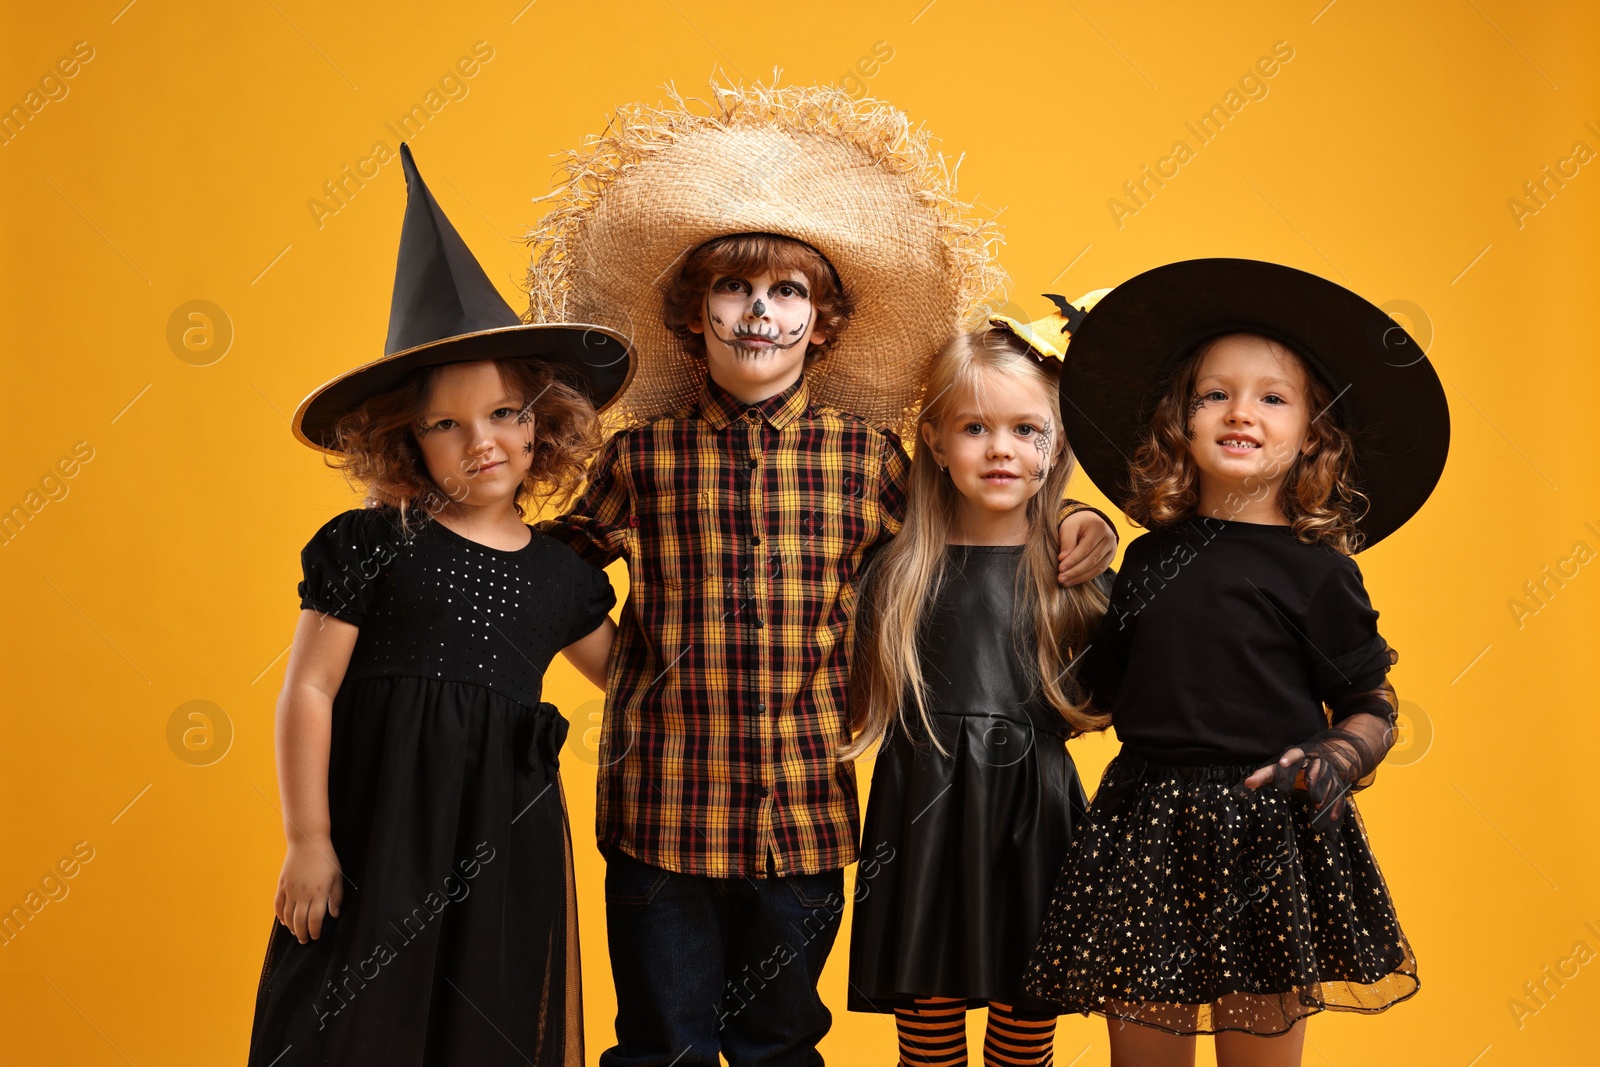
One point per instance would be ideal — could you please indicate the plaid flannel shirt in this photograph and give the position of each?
(746, 528)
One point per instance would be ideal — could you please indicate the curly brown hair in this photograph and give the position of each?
(378, 450)
(745, 254)
(1318, 494)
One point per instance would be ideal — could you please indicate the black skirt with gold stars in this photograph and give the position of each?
(1190, 906)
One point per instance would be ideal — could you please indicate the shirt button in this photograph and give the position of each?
(762, 790)
(753, 464)
(759, 624)
(752, 414)
(761, 708)
(755, 540)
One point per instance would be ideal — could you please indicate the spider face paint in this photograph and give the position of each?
(757, 330)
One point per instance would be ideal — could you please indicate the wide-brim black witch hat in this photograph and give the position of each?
(1387, 395)
(446, 310)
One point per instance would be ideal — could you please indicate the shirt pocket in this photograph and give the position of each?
(682, 538)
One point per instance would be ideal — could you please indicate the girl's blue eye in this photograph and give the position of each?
(1273, 398)
(973, 428)
(1026, 429)
(1215, 394)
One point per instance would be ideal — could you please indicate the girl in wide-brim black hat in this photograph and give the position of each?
(426, 911)
(1264, 424)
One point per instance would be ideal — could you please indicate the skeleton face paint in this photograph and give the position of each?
(756, 332)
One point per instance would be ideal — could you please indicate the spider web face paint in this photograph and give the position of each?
(1042, 441)
(525, 420)
(1196, 402)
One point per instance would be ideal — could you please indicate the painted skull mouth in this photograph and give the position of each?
(755, 333)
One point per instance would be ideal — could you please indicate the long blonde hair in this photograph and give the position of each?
(905, 580)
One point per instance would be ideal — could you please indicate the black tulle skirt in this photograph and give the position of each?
(457, 939)
(1190, 906)
(958, 857)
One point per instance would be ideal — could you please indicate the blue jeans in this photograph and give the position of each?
(704, 965)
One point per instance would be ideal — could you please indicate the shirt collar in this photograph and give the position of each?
(719, 408)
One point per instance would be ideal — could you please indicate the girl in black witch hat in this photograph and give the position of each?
(1222, 882)
(425, 913)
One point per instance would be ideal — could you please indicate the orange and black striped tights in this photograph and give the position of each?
(934, 1034)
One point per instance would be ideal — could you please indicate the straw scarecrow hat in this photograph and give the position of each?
(851, 178)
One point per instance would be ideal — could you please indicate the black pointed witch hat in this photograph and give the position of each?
(1386, 393)
(446, 310)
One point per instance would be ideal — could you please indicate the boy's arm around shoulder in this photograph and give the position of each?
(1088, 542)
(596, 527)
(894, 480)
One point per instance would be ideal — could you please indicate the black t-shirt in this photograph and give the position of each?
(438, 605)
(1224, 640)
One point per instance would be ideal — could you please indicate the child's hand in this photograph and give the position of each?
(1292, 757)
(311, 885)
(1088, 545)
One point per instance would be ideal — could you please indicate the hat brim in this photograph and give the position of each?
(852, 179)
(600, 358)
(1387, 394)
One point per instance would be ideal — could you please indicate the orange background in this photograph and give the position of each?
(177, 164)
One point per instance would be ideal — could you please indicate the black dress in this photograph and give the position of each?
(457, 939)
(959, 852)
(1187, 903)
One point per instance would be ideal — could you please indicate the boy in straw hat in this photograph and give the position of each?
(787, 262)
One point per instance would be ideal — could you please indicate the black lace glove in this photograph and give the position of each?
(1332, 764)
